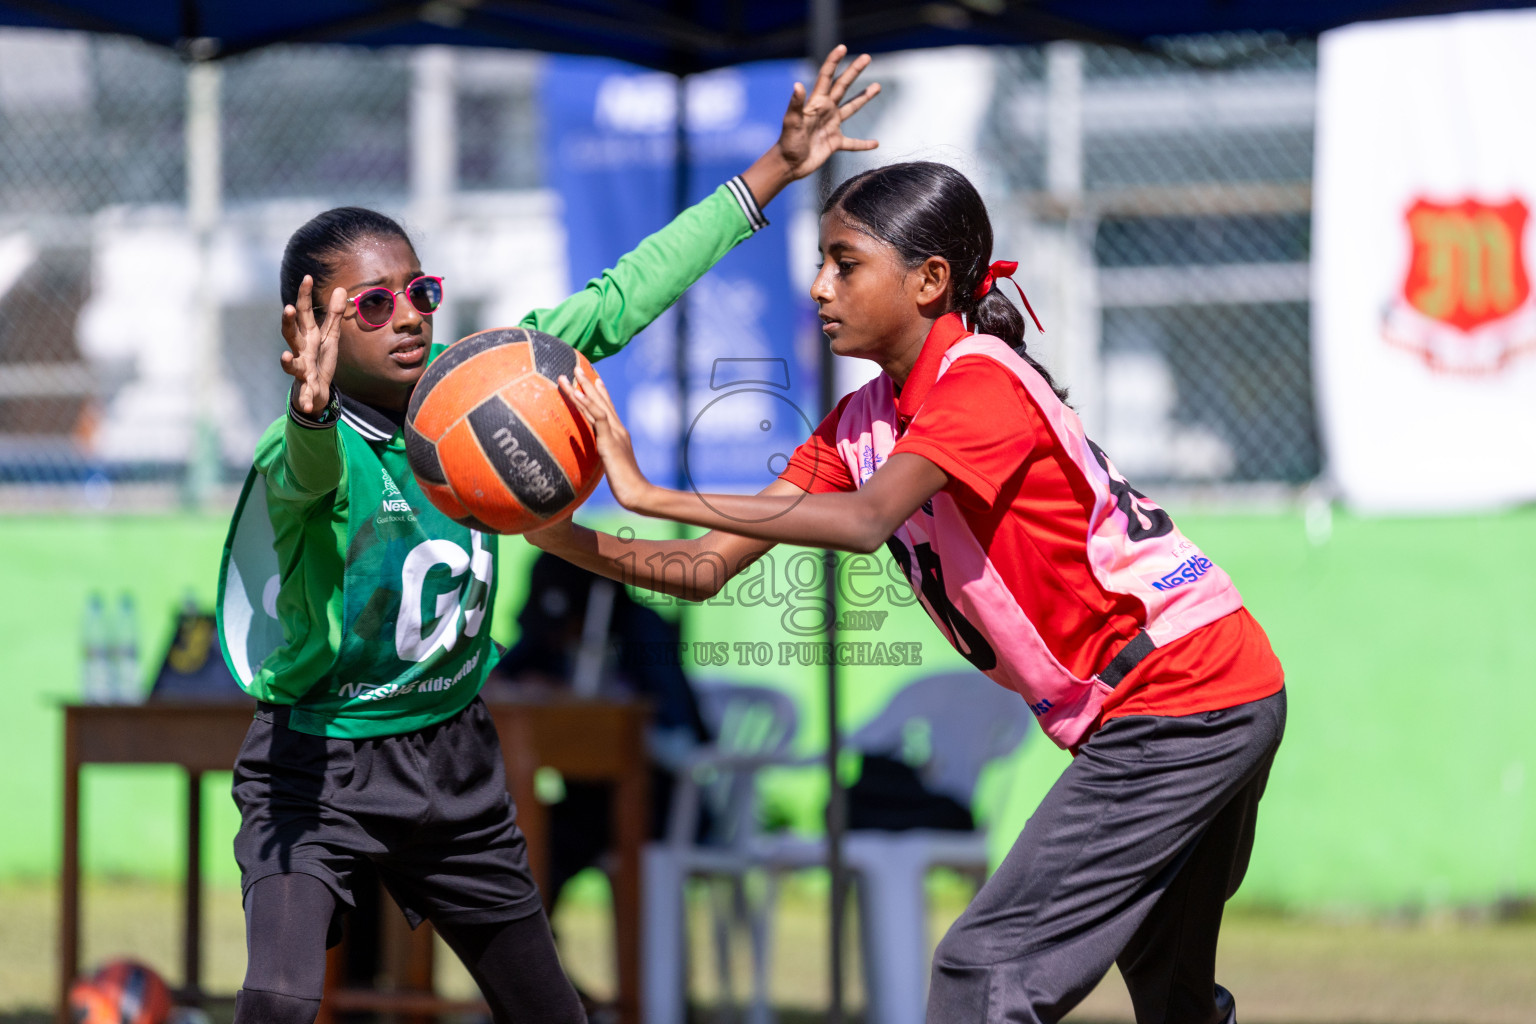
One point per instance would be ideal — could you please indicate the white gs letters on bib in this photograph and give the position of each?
(480, 568)
(409, 643)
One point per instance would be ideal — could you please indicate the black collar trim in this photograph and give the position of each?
(366, 420)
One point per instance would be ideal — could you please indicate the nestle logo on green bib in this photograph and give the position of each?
(393, 501)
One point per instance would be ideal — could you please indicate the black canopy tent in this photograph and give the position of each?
(688, 36)
(684, 36)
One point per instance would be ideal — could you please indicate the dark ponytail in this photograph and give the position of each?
(314, 247)
(926, 209)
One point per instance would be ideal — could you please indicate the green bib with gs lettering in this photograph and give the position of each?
(401, 606)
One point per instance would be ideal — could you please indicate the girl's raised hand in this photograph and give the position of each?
(813, 125)
(813, 128)
(311, 355)
(590, 397)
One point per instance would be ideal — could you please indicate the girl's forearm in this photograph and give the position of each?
(768, 176)
(859, 520)
(839, 520)
(694, 570)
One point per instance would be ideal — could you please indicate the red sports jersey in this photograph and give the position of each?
(1037, 559)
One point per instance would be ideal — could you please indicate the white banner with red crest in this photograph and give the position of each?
(1424, 325)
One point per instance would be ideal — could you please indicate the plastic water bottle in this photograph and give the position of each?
(96, 683)
(126, 688)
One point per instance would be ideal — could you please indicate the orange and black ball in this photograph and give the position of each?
(492, 441)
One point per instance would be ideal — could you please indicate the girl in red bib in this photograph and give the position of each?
(1049, 572)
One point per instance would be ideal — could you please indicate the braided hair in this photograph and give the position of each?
(924, 209)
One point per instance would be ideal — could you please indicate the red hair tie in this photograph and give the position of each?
(1005, 268)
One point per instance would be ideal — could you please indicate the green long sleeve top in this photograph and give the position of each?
(354, 599)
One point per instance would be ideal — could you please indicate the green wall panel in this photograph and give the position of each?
(1404, 779)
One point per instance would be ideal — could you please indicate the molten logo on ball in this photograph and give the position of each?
(490, 438)
(530, 473)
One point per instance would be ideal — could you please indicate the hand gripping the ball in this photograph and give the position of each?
(591, 398)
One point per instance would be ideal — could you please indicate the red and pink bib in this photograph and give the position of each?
(1131, 546)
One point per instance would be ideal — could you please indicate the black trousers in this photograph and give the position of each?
(287, 916)
(425, 811)
(1129, 859)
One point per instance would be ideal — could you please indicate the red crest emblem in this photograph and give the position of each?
(1465, 286)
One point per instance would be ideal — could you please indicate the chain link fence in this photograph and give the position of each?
(113, 387)
(1166, 205)
(85, 125)
(1178, 194)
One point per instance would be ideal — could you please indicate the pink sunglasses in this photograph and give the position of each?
(376, 306)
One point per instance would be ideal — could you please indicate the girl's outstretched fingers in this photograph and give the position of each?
(813, 122)
(311, 355)
(829, 67)
(600, 391)
(335, 308)
(838, 89)
(591, 398)
(571, 389)
(305, 304)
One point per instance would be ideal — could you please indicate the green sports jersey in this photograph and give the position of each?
(343, 591)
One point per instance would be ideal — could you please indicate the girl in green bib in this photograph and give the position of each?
(355, 612)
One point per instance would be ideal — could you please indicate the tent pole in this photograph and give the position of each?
(825, 29)
(1071, 264)
(433, 158)
(204, 202)
(680, 180)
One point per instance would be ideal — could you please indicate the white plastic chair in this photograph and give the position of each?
(948, 727)
(753, 727)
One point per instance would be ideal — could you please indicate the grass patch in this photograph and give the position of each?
(1434, 969)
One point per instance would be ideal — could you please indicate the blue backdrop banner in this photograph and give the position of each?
(611, 153)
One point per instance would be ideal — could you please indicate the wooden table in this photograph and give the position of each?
(596, 740)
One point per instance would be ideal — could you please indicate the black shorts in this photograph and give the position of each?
(429, 809)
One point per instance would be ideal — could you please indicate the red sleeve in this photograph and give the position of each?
(978, 425)
(816, 466)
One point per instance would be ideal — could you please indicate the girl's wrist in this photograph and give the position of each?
(548, 538)
(768, 175)
(644, 501)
